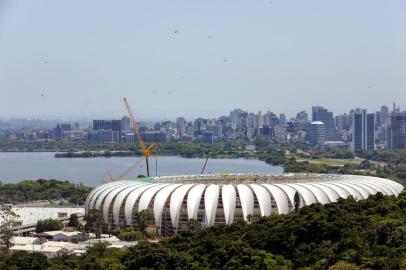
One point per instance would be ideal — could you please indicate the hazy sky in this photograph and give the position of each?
(199, 58)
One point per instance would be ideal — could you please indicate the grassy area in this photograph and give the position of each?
(326, 161)
(330, 161)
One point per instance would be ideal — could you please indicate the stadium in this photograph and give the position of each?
(173, 203)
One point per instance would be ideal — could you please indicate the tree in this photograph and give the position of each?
(24, 260)
(74, 221)
(48, 225)
(296, 201)
(130, 235)
(192, 224)
(343, 266)
(94, 222)
(7, 226)
(145, 217)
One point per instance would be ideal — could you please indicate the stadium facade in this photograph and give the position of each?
(174, 202)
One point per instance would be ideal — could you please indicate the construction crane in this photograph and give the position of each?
(111, 178)
(146, 151)
(124, 174)
(205, 163)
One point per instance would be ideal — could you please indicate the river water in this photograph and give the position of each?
(91, 171)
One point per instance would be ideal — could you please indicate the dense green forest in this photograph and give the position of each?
(349, 234)
(390, 171)
(389, 156)
(187, 149)
(43, 189)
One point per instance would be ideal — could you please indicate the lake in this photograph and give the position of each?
(91, 171)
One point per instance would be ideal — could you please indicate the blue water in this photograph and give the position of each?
(91, 171)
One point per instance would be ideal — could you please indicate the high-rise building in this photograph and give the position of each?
(266, 131)
(116, 126)
(207, 137)
(321, 114)
(363, 131)
(384, 115)
(181, 126)
(259, 120)
(339, 122)
(317, 133)
(126, 123)
(280, 132)
(398, 130)
(302, 116)
(238, 119)
(282, 119)
(60, 129)
(251, 120)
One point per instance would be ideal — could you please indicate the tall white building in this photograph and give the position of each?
(385, 115)
(259, 120)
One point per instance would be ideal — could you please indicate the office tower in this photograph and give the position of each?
(280, 132)
(238, 119)
(384, 115)
(114, 126)
(259, 120)
(346, 121)
(317, 133)
(207, 137)
(199, 125)
(270, 119)
(266, 131)
(363, 131)
(302, 116)
(251, 118)
(60, 129)
(398, 130)
(321, 114)
(282, 119)
(126, 123)
(339, 122)
(181, 126)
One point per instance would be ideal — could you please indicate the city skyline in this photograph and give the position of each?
(226, 113)
(278, 56)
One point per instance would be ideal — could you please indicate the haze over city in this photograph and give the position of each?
(182, 58)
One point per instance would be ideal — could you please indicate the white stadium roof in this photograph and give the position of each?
(216, 199)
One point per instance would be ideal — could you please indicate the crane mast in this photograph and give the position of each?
(146, 152)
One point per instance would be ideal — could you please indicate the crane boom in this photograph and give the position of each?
(134, 125)
(145, 151)
(205, 163)
(111, 178)
(121, 176)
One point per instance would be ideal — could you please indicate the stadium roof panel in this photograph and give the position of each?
(223, 199)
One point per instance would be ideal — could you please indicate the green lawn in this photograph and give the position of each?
(330, 161)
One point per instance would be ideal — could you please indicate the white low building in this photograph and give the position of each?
(63, 236)
(23, 241)
(30, 215)
(49, 249)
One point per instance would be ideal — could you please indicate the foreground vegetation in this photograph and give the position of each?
(349, 234)
(43, 189)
